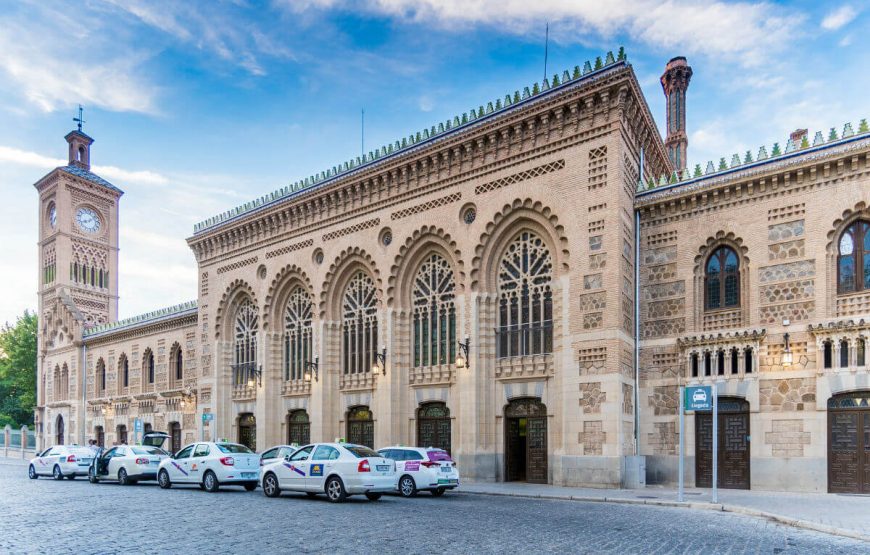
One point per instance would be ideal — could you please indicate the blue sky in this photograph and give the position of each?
(199, 106)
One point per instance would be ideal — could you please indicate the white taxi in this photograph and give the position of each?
(128, 464)
(211, 465)
(61, 461)
(421, 468)
(336, 469)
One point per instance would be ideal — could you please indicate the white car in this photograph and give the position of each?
(61, 461)
(128, 464)
(277, 452)
(336, 469)
(211, 465)
(420, 468)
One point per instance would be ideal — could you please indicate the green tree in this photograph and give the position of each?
(18, 371)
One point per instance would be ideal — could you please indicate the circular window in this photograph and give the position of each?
(317, 256)
(468, 213)
(386, 236)
(261, 272)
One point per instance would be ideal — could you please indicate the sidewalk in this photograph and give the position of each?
(843, 515)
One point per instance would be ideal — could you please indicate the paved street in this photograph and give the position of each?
(44, 515)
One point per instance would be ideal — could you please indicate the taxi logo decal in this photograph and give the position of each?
(178, 466)
(411, 466)
(193, 467)
(294, 469)
(316, 470)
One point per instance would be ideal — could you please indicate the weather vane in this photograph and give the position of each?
(79, 119)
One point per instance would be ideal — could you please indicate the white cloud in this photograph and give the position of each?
(426, 103)
(743, 31)
(120, 175)
(840, 17)
(25, 158)
(55, 62)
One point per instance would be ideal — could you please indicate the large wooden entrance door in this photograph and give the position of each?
(733, 445)
(175, 435)
(433, 426)
(361, 427)
(298, 428)
(526, 441)
(849, 443)
(59, 430)
(248, 431)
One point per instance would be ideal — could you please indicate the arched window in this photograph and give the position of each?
(747, 361)
(56, 383)
(148, 367)
(298, 428)
(853, 258)
(720, 362)
(722, 279)
(59, 429)
(525, 314)
(828, 354)
(124, 372)
(860, 356)
(359, 325)
(64, 382)
(101, 377)
(844, 353)
(735, 359)
(245, 343)
(434, 313)
(708, 363)
(297, 334)
(695, 364)
(176, 364)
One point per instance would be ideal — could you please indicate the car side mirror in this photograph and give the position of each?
(286, 457)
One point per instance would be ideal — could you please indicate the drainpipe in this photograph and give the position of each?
(637, 320)
(84, 411)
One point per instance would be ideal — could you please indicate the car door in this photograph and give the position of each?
(271, 456)
(116, 462)
(294, 470)
(103, 462)
(178, 465)
(197, 462)
(42, 465)
(321, 464)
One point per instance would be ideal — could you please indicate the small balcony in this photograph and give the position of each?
(246, 377)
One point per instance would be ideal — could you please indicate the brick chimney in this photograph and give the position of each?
(675, 82)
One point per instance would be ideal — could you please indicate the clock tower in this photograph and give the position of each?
(78, 238)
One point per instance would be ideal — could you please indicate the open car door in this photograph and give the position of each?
(155, 439)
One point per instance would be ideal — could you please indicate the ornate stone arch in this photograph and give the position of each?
(285, 281)
(520, 215)
(422, 243)
(234, 294)
(711, 321)
(340, 272)
(861, 211)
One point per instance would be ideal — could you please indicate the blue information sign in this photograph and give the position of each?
(206, 416)
(137, 425)
(699, 397)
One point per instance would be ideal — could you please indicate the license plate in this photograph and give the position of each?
(446, 481)
(249, 475)
(383, 467)
(446, 469)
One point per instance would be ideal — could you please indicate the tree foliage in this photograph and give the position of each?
(18, 371)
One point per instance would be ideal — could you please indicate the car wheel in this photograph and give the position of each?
(92, 475)
(438, 492)
(163, 480)
(122, 478)
(270, 486)
(31, 473)
(372, 496)
(210, 482)
(335, 490)
(251, 486)
(58, 475)
(407, 487)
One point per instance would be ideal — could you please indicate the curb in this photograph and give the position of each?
(737, 509)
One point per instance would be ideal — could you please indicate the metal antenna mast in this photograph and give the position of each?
(362, 139)
(546, 47)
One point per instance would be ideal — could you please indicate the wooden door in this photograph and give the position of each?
(733, 435)
(849, 443)
(433, 426)
(526, 454)
(298, 428)
(361, 427)
(536, 450)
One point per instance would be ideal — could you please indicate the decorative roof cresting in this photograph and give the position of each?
(414, 139)
(163, 313)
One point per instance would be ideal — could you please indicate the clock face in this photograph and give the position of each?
(88, 220)
(52, 216)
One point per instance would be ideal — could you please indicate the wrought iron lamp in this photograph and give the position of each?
(380, 361)
(786, 353)
(255, 372)
(462, 358)
(188, 396)
(311, 368)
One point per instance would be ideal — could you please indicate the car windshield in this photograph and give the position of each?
(148, 450)
(438, 456)
(233, 448)
(360, 451)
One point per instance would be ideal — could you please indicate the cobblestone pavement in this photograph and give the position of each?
(41, 516)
